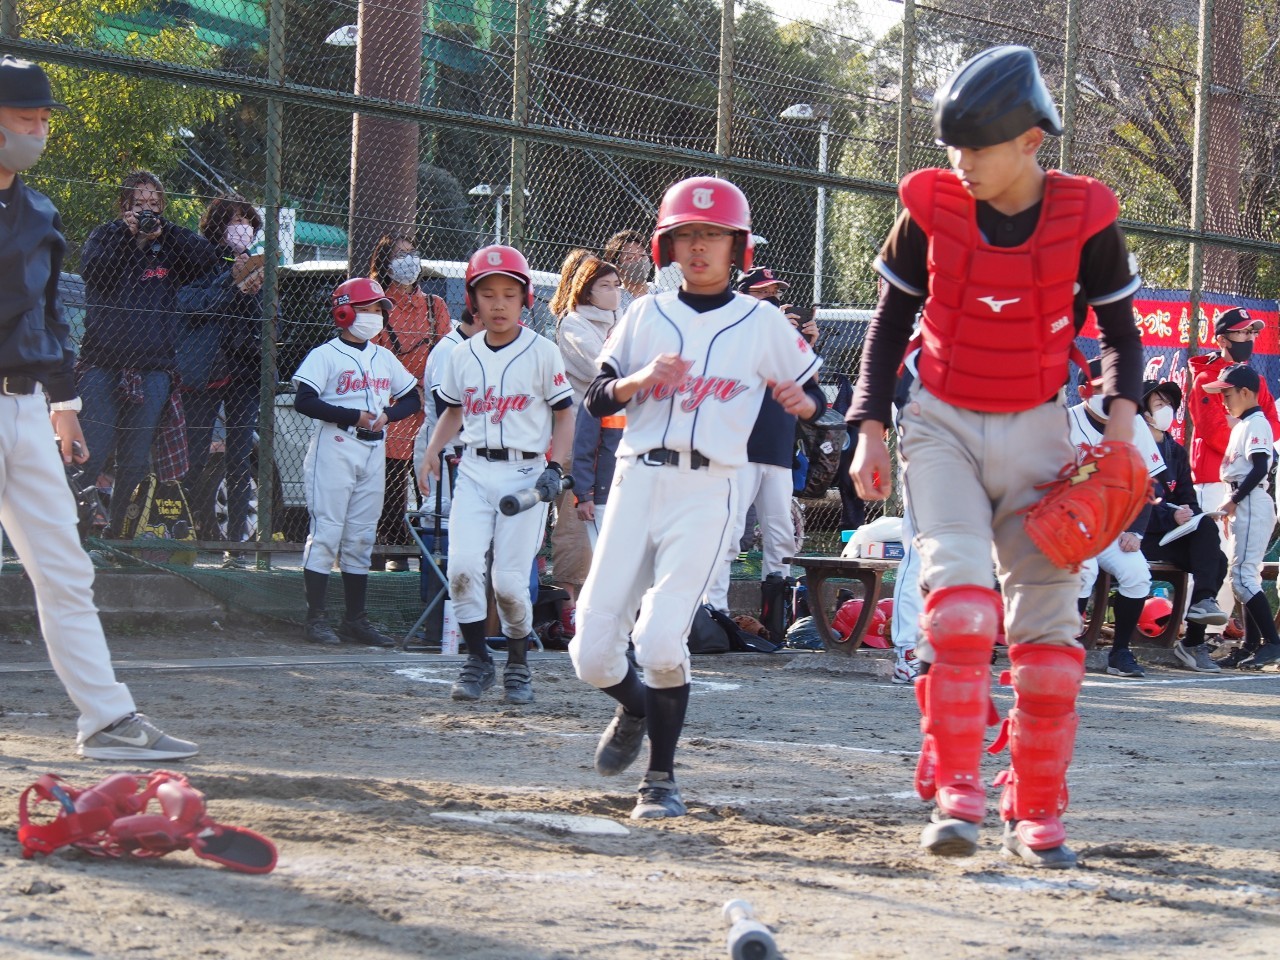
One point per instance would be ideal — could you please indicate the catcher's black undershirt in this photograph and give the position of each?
(1106, 271)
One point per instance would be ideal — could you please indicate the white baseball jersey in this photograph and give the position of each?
(734, 349)
(436, 362)
(346, 376)
(1249, 436)
(506, 395)
(1084, 433)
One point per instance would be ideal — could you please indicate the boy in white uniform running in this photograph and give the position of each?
(508, 394)
(691, 368)
(1250, 509)
(354, 388)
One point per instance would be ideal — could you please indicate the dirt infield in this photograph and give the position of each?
(799, 787)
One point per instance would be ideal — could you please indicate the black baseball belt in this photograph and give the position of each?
(662, 457)
(18, 386)
(504, 453)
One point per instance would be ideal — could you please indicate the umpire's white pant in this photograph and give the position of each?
(769, 487)
(39, 514)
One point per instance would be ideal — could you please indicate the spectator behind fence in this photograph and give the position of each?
(559, 302)
(415, 325)
(594, 294)
(133, 267)
(220, 362)
(628, 250)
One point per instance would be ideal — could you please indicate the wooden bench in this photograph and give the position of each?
(818, 570)
(1160, 573)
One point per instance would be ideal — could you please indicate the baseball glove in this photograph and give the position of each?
(752, 626)
(1090, 504)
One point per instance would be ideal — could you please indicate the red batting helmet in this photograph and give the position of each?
(1155, 616)
(498, 258)
(356, 292)
(704, 200)
(847, 616)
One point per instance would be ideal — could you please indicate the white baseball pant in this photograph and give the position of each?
(1251, 529)
(1130, 570)
(1211, 497)
(769, 487)
(345, 480)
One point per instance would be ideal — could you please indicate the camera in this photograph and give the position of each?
(149, 221)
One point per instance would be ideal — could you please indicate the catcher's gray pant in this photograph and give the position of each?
(39, 514)
(769, 487)
(1211, 497)
(968, 477)
(1250, 533)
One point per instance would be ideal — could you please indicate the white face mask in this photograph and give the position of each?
(1162, 419)
(406, 269)
(367, 326)
(239, 236)
(606, 298)
(1095, 406)
(20, 151)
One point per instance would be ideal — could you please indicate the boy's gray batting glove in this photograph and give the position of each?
(551, 484)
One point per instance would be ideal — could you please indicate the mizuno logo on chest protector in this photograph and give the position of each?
(997, 305)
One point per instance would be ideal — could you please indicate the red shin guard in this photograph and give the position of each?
(955, 698)
(1042, 733)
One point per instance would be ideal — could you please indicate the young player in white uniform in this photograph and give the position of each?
(691, 368)
(1124, 558)
(354, 388)
(465, 327)
(508, 394)
(1249, 509)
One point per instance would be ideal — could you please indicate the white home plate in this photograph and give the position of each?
(569, 822)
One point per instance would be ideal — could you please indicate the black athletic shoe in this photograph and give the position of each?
(1055, 858)
(476, 677)
(1120, 663)
(361, 631)
(1233, 659)
(318, 630)
(620, 743)
(517, 681)
(659, 798)
(1266, 654)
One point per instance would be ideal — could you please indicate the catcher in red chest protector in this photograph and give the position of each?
(1005, 258)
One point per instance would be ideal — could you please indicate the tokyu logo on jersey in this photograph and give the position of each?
(704, 198)
(497, 407)
(695, 391)
(349, 382)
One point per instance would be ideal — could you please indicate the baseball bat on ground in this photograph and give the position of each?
(514, 503)
(748, 939)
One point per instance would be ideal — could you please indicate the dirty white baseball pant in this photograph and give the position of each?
(345, 481)
(1211, 496)
(474, 522)
(1130, 571)
(38, 512)
(1251, 528)
(663, 537)
(769, 487)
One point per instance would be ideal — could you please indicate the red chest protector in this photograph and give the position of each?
(999, 326)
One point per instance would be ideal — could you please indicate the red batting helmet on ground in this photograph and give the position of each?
(847, 616)
(498, 258)
(353, 293)
(1155, 616)
(704, 200)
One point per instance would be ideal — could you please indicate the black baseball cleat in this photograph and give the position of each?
(517, 682)
(620, 743)
(949, 836)
(659, 798)
(361, 631)
(318, 630)
(1265, 655)
(1234, 659)
(1060, 857)
(475, 678)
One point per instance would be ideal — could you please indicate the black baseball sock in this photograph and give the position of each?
(355, 586)
(665, 710)
(1128, 612)
(1082, 604)
(630, 692)
(473, 636)
(316, 584)
(1194, 636)
(517, 650)
(1258, 610)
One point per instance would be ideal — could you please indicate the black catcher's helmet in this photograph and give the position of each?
(993, 97)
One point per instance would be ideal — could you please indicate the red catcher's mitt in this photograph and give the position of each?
(1090, 504)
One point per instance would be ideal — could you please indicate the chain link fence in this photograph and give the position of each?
(552, 125)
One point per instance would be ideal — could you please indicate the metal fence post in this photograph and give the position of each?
(1199, 164)
(1070, 59)
(724, 98)
(520, 115)
(270, 282)
(9, 18)
(906, 83)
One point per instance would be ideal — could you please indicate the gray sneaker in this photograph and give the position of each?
(135, 738)
(1196, 658)
(517, 682)
(950, 837)
(317, 630)
(1208, 612)
(476, 677)
(659, 798)
(620, 743)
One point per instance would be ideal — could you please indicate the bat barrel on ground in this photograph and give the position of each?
(748, 939)
(514, 503)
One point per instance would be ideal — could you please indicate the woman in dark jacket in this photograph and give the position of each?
(133, 268)
(219, 359)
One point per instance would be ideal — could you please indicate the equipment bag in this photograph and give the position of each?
(158, 510)
(706, 635)
(820, 443)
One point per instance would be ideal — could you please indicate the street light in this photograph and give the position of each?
(344, 36)
(808, 112)
(497, 192)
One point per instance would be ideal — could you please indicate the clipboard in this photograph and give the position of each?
(1178, 533)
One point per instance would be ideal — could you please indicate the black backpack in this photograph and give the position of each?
(821, 443)
(706, 635)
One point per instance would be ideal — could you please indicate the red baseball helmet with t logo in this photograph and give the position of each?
(356, 292)
(497, 258)
(704, 200)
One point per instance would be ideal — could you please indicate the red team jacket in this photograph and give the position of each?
(1209, 418)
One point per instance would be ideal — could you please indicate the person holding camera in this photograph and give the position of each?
(133, 268)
